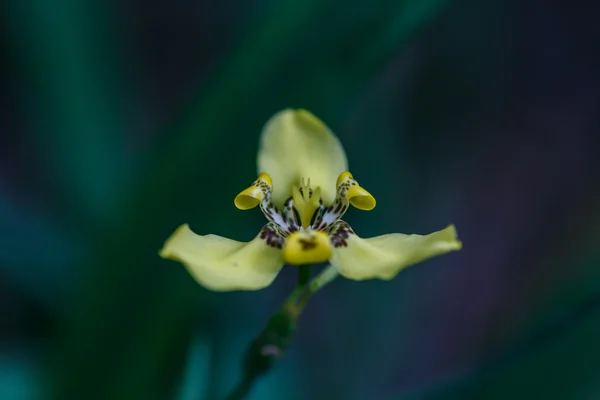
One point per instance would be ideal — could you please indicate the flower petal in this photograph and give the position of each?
(306, 247)
(295, 144)
(384, 256)
(222, 264)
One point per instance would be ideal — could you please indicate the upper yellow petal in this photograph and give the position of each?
(295, 144)
(222, 264)
(384, 256)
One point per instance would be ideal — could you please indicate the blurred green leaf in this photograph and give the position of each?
(74, 96)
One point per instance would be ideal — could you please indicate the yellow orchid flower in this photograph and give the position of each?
(303, 189)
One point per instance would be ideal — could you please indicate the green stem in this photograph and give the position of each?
(275, 338)
(324, 278)
(303, 277)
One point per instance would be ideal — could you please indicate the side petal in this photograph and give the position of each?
(222, 264)
(384, 256)
(295, 144)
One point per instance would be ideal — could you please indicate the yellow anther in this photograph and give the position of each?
(356, 195)
(252, 196)
(360, 198)
(248, 198)
(306, 203)
(306, 247)
(342, 178)
(265, 177)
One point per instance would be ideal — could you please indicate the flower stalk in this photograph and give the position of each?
(276, 337)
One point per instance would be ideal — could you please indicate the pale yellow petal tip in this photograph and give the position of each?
(309, 119)
(301, 117)
(166, 251)
(455, 242)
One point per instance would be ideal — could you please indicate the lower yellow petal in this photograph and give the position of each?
(384, 256)
(306, 247)
(222, 264)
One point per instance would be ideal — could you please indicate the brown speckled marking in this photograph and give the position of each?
(285, 220)
(338, 208)
(328, 215)
(339, 232)
(307, 244)
(271, 234)
(326, 218)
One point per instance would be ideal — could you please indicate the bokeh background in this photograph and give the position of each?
(121, 120)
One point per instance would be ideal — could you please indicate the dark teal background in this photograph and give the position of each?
(120, 120)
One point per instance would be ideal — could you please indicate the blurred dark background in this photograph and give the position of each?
(120, 120)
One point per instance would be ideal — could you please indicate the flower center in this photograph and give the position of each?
(307, 247)
(306, 202)
(305, 229)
